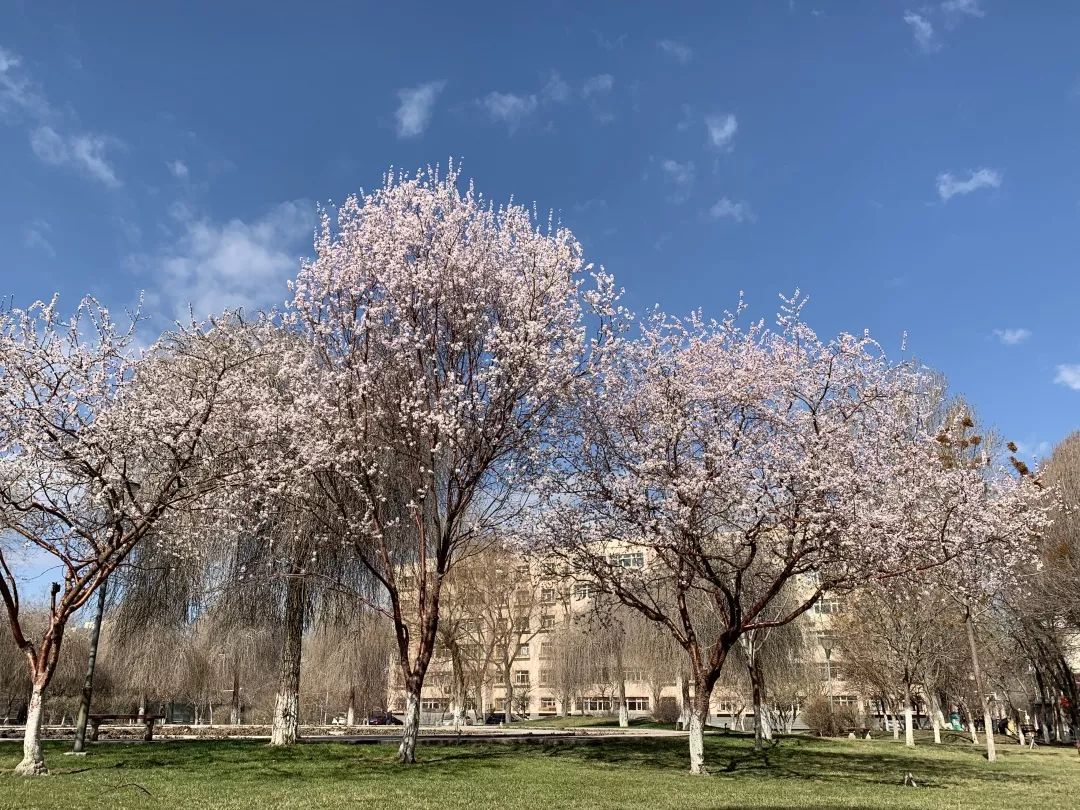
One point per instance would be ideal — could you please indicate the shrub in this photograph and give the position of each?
(826, 722)
(667, 710)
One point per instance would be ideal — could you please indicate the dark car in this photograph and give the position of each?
(495, 718)
(382, 719)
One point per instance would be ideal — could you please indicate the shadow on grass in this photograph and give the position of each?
(728, 757)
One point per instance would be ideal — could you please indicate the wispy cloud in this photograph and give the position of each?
(21, 102)
(949, 186)
(37, 236)
(556, 89)
(681, 178)
(962, 8)
(415, 107)
(212, 266)
(725, 208)
(1068, 375)
(178, 169)
(923, 31)
(1012, 336)
(85, 152)
(722, 129)
(951, 13)
(509, 108)
(18, 94)
(597, 85)
(679, 51)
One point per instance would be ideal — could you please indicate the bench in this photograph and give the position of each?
(147, 720)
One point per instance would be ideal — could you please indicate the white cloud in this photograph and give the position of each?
(1011, 337)
(949, 186)
(963, 8)
(509, 108)
(417, 103)
(1069, 376)
(213, 266)
(18, 95)
(556, 89)
(679, 51)
(21, 102)
(86, 152)
(597, 85)
(37, 236)
(178, 169)
(722, 129)
(726, 208)
(680, 176)
(923, 31)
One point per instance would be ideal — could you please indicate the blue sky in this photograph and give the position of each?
(912, 167)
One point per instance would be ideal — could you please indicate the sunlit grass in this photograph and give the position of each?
(798, 772)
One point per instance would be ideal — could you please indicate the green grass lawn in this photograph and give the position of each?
(799, 772)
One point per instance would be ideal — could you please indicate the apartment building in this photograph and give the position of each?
(512, 617)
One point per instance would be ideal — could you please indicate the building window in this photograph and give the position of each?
(545, 677)
(846, 701)
(547, 621)
(470, 625)
(545, 650)
(634, 675)
(637, 704)
(629, 559)
(434, 705)
(522, 624)
(521, 677)
(727, 707)
(547, 704)
(584, 590)
(547, 596)
(828, 605)
(522, 651)
(596, 704)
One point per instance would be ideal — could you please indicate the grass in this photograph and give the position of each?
(800, 772)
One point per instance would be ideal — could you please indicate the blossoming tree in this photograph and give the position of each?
(98, 447)
(441, 334)
(712, 466)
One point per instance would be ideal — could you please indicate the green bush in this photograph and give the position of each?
(828, 722)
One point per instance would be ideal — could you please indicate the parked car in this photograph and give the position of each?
(495, 718)
(382, 719)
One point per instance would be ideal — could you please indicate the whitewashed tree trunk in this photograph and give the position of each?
(285, 729)
(684, 702)
(909, 725)
(411, 729)
(699, 717)
(33, 761)
(350, 712)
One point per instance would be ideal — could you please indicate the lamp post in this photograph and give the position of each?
(827, 646)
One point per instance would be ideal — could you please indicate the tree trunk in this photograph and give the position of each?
(88, 682)
(971, 725)
(699, 717)
(411, 729)
(620, 685)
(937, 719)
(285, 729)
(350, 712)
(234, 706)
(909, 725)
(508, 703)
(988, 723)
(33, 761)
(684, 701)
(762, 727)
